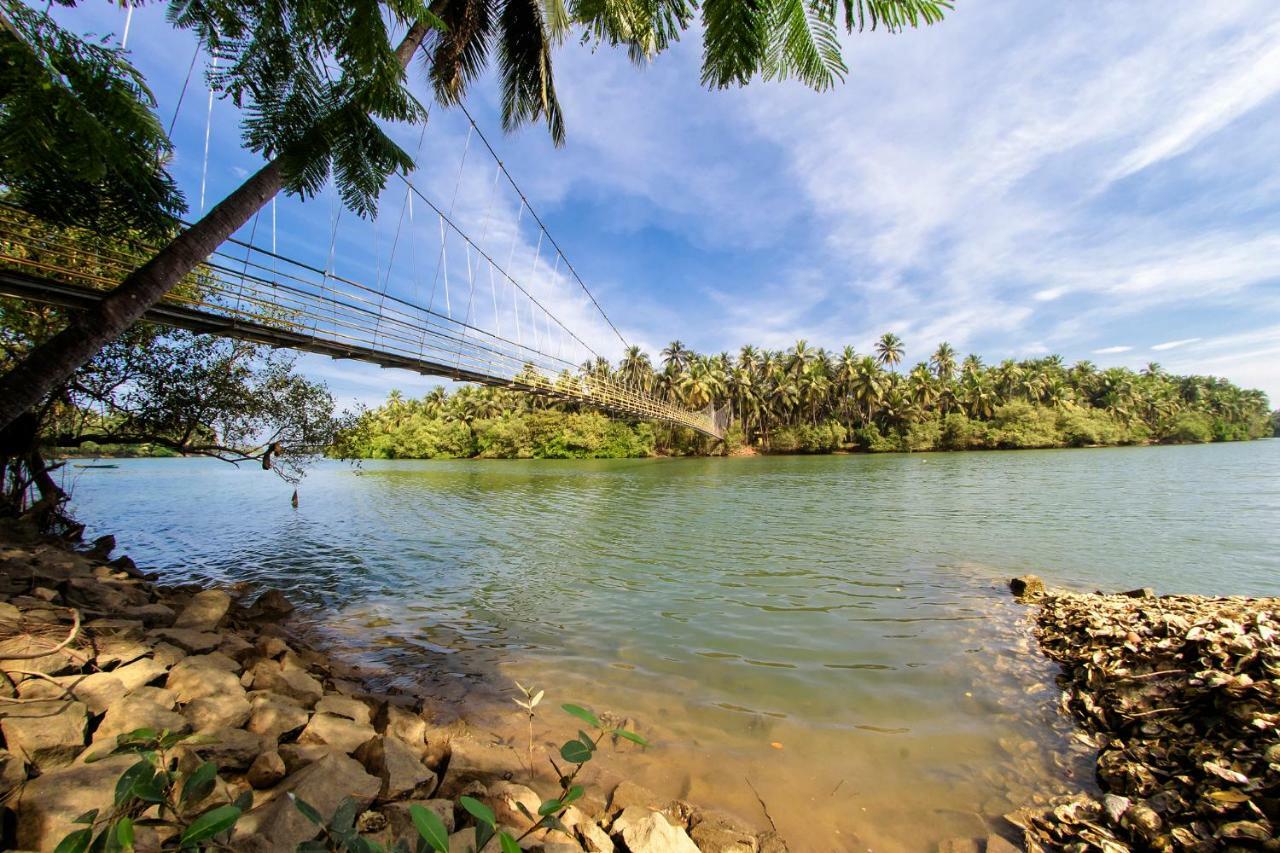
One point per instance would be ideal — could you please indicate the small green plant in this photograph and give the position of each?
(530, 701)
(154, 784)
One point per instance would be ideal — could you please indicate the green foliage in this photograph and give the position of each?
(173, 802)
(80, 143)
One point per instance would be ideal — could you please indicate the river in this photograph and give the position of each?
(825, 638)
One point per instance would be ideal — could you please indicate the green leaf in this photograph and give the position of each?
(575, 752)
(344, 819)
(508, 843)
(478, 810)
(484, 832)
(574, 793)
(76, 842)
(582, 714)
(244, 802)
(631, 736)
(88, 817)
(199, 784)
(587, 740)
(210, 824)
(137, 737)
(307, 809)
(168, 739)
(550, 807)
(151, 788)
(131, 777)
(124, 833)
(430, 827)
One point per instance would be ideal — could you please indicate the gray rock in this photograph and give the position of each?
(275, 716)
(216, 660)
(116, 651)
(153, 615)
(46, 734)
(24, 644)
(997, 844)
(1027, 586)
(952, 845)
(298, 755)
(272, 647)
(339, 732)
(505, 798)
(220, 711)
(13, 772)
(236, 647)
(771, 842)
(271, 606)
(393, 762)
(628, 793)
(391, 719)
(594, 838)
(652, 834)
(96, 690)
(270, 675)
(717, 833)
(324, 784)
(205, 611)
(266, 770)
(49, 803)
(344, 706)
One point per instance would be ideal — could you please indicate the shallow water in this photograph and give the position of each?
(849, 610)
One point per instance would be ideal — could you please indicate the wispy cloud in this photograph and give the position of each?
(1112, 350)
(1167, 345)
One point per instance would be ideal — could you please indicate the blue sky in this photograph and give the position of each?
(1097, 180)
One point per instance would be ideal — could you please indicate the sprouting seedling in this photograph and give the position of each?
(530, 701)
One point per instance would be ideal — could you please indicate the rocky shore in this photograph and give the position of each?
(91, 648)
(1180, 696)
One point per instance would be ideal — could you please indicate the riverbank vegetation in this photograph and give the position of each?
(810, 400)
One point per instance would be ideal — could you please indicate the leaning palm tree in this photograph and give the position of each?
(943, 362)
(339, 129)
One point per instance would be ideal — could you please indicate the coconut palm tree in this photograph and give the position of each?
(943, 362)
(889, 350)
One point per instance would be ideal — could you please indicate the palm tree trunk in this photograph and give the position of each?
(53, 362)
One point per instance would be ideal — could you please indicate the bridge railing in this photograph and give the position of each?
(246, 291)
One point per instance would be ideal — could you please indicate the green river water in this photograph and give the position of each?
(830, 636)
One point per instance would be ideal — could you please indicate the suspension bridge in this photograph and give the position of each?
(437, 294)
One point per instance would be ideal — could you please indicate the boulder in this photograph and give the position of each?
(192, 681)
(271, 606)
(47, 734)
(96, 690)
(270, 675)
(771, 842)
(231, 749)
(1027, 586)
(25, 644)
(400, 722)
(115, 651)
(653, 834)
(339, 732)
(266, 770)
(503, 799)
(324, 785)
(997, 844)
(13, 772)
(628, 793)
(217, 660)
(139, 673)
(189, 640)
(49, 803)
(272, 647)
(220, 711)
(392, 761)
(298, 755)
(205, 611)
(401, 824)
(717, 833)
(951, 845)
(274, 716)
(344, 706)
(236, 647)
(593, 837)
(101, 547)
(143, 709)
(153, 615)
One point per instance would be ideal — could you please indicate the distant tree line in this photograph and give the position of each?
(810, 400)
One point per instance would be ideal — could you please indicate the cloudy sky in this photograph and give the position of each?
(1092, 179)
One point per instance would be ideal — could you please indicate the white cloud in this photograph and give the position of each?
(1112, 350)
(1167, 345)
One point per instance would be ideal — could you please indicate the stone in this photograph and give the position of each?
(628, 793)
(189, 640)
(236, 647)
(1142, 592)
(215, 659)
(25, 644)
(771, 842)
(272, 647)
(47, 734)
(139, 673)
(594, 838)
(401, 824)
(49, 803)
(116, 651)
(298, 755)
(344, 706)
(230, 749)
(192, 681)
(1027, 586)
(205, 611)
(503, 798)
(274, 717)
(167, 653)
(391, 719)
(266, 770)
(271, 606)
(947, 845)
(96, 690)
(392, 761)
(219, 711)
(270, 675)
(102, 547)
(653, 834)
(324, 784)
(153, 615)
(13, 772)
(136, 711)
(339, 732)
(998, 844)
(717, 833)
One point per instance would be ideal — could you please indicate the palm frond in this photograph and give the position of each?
(524, 62)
